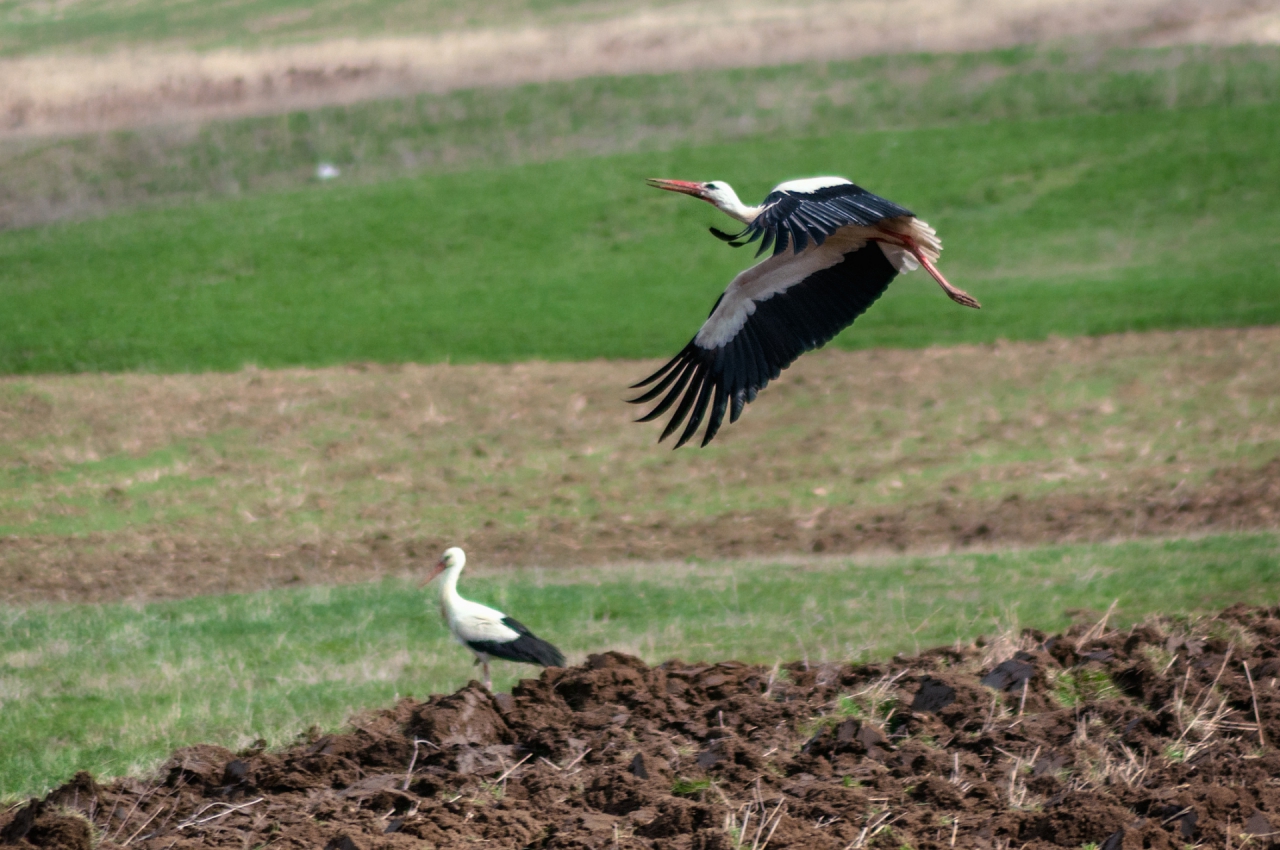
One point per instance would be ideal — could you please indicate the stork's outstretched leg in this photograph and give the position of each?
(955, 293)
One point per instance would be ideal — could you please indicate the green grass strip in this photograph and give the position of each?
(1084, 225)
(104, 25)
(114, 688)
(43, 179)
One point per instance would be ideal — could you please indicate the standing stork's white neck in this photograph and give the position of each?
(717, 193)
(450, 567)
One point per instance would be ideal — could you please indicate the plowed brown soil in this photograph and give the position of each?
(1158, 736)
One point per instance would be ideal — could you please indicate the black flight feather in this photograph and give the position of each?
(727, 237)
(681, 381)
(699, 410)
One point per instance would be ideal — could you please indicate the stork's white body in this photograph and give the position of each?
(470, 622)
(727, 201)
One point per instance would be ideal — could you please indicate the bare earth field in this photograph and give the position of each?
(1160, 736)
(72, 91)
(143, 486)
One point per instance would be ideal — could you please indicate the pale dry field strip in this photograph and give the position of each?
(168, 485)
(69, 92)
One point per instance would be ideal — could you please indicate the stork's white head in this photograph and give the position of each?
(716, 192)
(452, 559)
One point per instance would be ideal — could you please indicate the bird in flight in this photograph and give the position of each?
(488, 633)
(833, 248)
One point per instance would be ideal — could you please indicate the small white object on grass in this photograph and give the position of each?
(327, 171)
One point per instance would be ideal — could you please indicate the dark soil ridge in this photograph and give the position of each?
(1146, 737)
(1234, 499)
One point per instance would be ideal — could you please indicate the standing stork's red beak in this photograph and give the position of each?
(684, 187)
(440, 567)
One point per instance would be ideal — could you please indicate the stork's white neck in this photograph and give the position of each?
(726, 200)
(449, 586)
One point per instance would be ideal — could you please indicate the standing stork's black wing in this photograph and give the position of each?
(778, 328)
(791, 218)
(527, 648)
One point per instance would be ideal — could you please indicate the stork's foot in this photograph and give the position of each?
(955, 293)
(961, 297)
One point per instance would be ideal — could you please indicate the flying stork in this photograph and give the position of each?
(835, 247)
(486, 632)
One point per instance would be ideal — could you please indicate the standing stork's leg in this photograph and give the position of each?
(488, 682)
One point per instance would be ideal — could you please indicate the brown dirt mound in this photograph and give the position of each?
(1157, 736)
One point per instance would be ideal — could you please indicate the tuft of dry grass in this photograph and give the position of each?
(751, 825)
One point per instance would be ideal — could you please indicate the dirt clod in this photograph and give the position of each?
(1144, 737)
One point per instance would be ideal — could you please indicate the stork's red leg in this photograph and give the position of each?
(955, 293)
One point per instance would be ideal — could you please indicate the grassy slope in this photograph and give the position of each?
(1090, 224)
(114, 688)
(45, 179)
(101, 25)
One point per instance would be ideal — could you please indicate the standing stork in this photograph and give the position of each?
(835, 247)
(488, 633)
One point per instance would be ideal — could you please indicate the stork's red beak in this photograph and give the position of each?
(440, 565)
(684, 187)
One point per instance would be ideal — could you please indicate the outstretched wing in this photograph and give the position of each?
(801, 211)
(770, 315)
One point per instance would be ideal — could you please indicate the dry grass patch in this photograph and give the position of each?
(171, 485)
(153, 77)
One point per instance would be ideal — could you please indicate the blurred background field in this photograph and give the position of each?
(242, 406)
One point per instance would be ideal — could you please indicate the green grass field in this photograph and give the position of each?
(1083, 225)
(113, 688)
(78, 176)
(27, 27)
